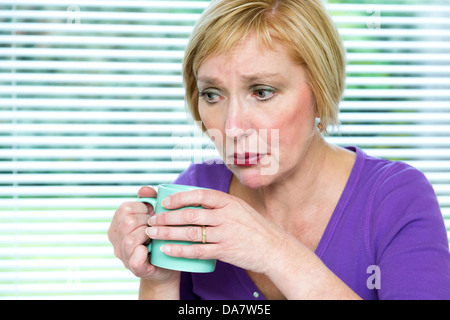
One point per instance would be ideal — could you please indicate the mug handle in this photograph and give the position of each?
(152, 201)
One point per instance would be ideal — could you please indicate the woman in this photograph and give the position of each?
(291, 216)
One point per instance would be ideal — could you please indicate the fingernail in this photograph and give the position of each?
(151, 232)
(151, 221)
(166, 202)
(165, 249)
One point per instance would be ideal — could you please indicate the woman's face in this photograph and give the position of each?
(258, 109)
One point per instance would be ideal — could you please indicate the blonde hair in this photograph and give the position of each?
(303, 27)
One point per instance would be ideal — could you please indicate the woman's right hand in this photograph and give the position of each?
(128, 237)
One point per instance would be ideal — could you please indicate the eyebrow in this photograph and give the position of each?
(255, 77)
(259, 76)
(208, 81)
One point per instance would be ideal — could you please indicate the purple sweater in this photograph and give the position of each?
(386, 238)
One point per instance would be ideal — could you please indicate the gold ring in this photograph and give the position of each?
(203, 234)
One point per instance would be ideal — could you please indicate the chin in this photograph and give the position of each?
(252, 177)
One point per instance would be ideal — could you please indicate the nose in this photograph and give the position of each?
(238, 121)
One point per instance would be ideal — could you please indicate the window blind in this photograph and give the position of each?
(91, 108)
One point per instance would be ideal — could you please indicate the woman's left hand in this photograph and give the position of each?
(235, 232)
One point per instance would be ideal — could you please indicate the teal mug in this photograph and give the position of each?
(160, 259)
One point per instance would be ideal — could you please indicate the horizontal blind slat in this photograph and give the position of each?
(389, 7)
(89, 91)
(90, 66)
(141, 5)
(91, 40)
(94, 116)
(97, 16)
(49, 264)
(91, 153)
(93, 165)
(92, 104)
(90, 28)
(81, 78)
(91, 53)
(87, 178)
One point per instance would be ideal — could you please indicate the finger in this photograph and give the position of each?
(131, 223)
(181, 217)
(200, 197)
(147, 192)
(189, 233)
(194, 251)
(138, 263)
(125, 210)
(131, 241)
(128, 208)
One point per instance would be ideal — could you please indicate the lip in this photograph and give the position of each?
(247, 159)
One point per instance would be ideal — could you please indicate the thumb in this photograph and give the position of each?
(146, 192)
(138, 263)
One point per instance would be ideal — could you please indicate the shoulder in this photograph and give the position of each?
(392, 195)
(210, 174)
(400, 200)
(382, 177)
(399, 182)
(404, 196)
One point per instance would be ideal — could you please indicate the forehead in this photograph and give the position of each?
(248, 57)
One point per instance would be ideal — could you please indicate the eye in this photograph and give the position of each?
(263, 93)
(211, 96)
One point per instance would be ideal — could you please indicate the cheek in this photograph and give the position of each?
(203, 114)
(212, 117)
(209, 122)
(215, 127)
(297, 123)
